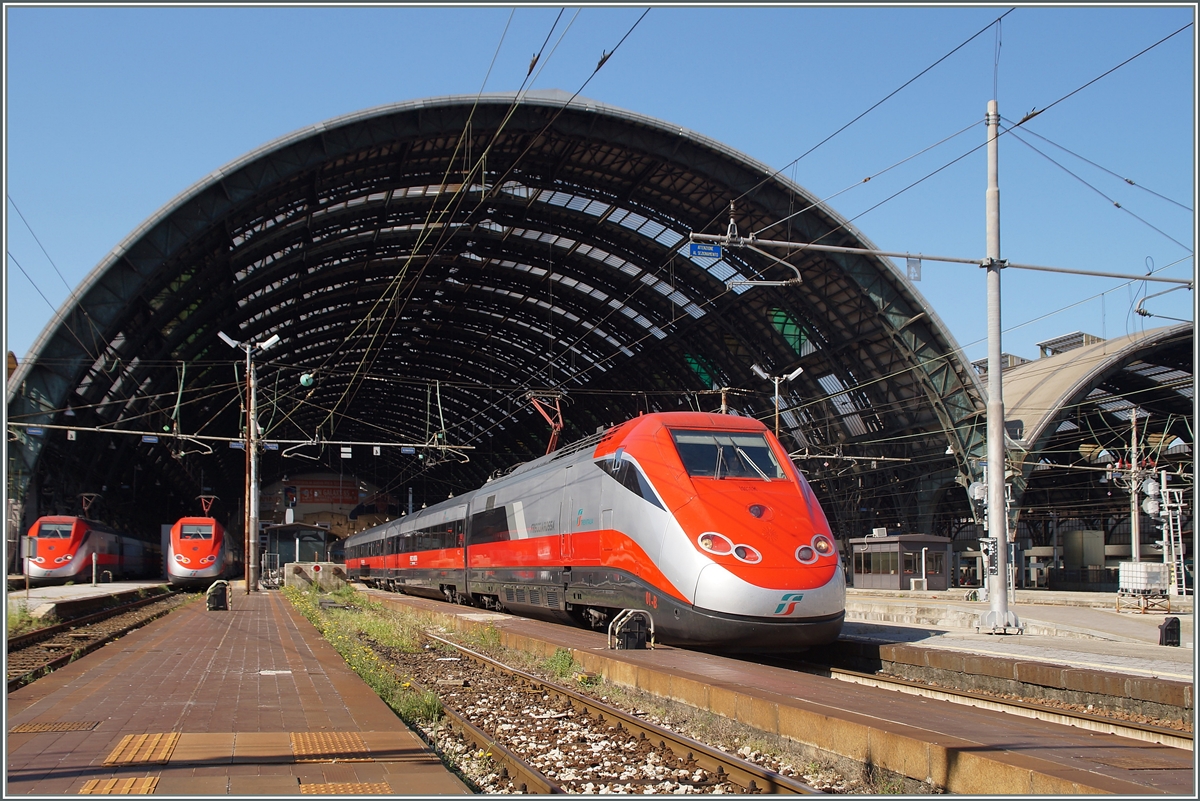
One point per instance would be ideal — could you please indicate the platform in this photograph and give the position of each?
(1077, 629)
(250, 701)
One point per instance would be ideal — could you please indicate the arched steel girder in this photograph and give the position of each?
(567, 241)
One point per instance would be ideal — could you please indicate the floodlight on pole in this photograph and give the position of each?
(252, 441)
(761, 373)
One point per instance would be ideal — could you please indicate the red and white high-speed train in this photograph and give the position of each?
(60, 548)
(199, 553)
(700, 520)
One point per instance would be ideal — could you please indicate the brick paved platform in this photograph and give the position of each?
(246, 702)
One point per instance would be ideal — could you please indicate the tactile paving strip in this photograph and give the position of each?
(139, 749)
(142, 786)
(62, 725)
(347, 788)
(326, 746)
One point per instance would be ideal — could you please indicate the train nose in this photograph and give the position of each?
(719, 590)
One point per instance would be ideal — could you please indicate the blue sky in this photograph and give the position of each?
(112, 112)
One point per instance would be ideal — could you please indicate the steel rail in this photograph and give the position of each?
(527, 778)
(753, 778)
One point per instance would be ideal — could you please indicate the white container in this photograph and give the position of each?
(1143, 578)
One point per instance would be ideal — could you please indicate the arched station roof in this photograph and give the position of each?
(1149, 370)
(429, 263)
(1071, 418)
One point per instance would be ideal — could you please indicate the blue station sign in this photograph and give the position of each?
(703, 251)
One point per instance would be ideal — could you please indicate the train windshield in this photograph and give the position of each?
(725, 454)
(60, 531)
(195, 532)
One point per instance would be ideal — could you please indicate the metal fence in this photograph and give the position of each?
(1086, 579)
(272, 574)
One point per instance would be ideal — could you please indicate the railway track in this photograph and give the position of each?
(1067, 716)
(550, 739)
(36, 653)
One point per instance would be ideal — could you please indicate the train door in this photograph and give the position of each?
(565, 518)
(466, 551)
(460, 529)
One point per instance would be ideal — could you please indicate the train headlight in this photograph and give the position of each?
(822, 545)
(716, 543)
(181, 559)
(207, 559)
(36, 560)
(747, 554)
(67, 557)
(805, 555)
(58, 560)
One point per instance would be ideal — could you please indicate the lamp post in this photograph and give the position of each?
(761, 373)
(251, 452)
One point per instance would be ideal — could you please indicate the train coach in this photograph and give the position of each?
(60, 549)
(199, 552)
(699, 520)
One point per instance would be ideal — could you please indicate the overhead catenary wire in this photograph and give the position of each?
(1114, 202)
(396, 283)
(93, 329)
(1002, 133)
(444, 235)
(32, 233)
(1036, 111)
(877, 379)
(62, 321)
(1102, 168)
(388, 296)
(870, 177)
(676, 391)
(876, 105)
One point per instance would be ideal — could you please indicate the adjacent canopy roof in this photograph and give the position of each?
(1072, 415)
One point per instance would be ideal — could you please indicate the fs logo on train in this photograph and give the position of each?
(787, 604)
